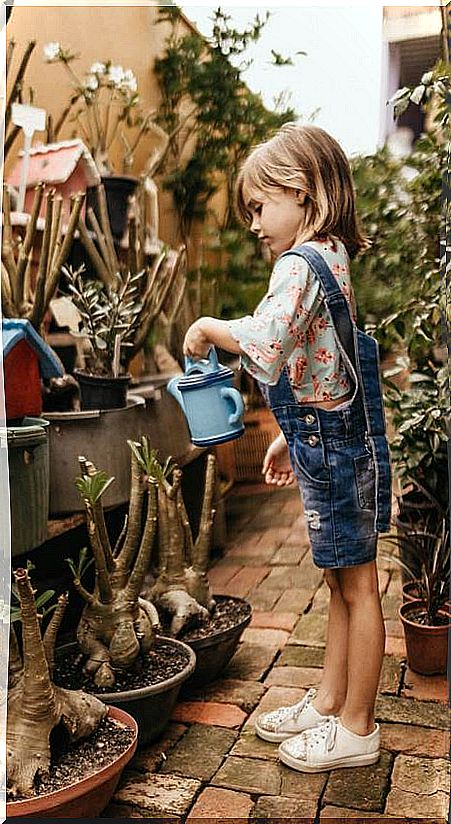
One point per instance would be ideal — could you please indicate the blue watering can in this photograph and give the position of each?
(213, 408)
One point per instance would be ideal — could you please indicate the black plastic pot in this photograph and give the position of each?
(102, 392)
(118, 190)
(151, 706)
(214, 653)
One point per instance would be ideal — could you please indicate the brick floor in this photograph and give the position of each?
(209, 764)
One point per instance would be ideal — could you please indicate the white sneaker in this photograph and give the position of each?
(330, 746)
(285, 722)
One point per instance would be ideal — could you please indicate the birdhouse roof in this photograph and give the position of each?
(14, 331)
(54, 163)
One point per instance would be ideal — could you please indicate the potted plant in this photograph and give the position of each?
(47, 725)
(120, 656)
(211, 624)
(104, 105)
(426, 615)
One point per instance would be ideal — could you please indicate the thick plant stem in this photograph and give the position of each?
(137, 491)
(202, 546)
(102, 577)
(51, 632)
(136, 579)
(38, 698)
(27, 245)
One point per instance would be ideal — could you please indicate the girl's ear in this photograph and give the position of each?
(300, 197)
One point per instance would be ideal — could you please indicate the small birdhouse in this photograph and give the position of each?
(67, 166)
(26, 359)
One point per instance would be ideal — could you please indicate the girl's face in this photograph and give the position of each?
(277, 218)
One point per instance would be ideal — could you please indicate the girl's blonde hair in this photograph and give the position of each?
(310, 161)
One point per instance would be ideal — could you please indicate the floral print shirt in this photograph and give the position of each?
(292, 327)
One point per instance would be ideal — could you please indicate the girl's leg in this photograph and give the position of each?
(331, 693)
(366, 639)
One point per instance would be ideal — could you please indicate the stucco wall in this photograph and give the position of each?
(129, 36)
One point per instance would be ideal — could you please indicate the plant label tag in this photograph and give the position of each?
(29, 118)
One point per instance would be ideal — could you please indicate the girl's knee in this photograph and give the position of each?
(332, 580)
(359, 582)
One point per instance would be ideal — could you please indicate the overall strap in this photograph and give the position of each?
(334, 298)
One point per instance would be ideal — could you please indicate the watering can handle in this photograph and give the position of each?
(235, 397)
(197, 366)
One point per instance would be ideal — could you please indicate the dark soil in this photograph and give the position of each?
(72, 762)
(163, 662)
(420, 617)
(228, 613)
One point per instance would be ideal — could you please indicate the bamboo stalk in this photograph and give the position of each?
(52, 281)
(17, 84)
(7, 241)
(38, 310)
(106, 228)
(96, 259)
(99, 236)
(56, 229)
(27, 245)
(133, 263)
(7, 306)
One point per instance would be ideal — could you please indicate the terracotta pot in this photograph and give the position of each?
(427, 646)
(410, 593)
(214, 652)
(86, 798)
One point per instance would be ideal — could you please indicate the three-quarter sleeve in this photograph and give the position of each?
(267, 338)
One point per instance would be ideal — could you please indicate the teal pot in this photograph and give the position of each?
(214, 652)
(28, 459)
(99, 435)
(86, 798)
(102, 391)
(426, 646)
(118, 191)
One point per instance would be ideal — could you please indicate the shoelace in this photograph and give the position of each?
(297, 709)
(324, 735)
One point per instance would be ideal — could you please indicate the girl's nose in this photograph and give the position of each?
(255, 225)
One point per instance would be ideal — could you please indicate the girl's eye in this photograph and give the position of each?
(258, 209)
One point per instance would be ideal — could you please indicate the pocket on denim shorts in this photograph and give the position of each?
(365, 477)
(310, 463)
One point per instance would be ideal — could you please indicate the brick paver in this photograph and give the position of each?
(210, 765)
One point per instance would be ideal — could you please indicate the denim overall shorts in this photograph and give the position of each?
(340, 457)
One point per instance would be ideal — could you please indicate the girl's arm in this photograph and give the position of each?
(206, 332)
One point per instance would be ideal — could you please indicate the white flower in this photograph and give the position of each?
(52, 52)
(97, 68)
(91, 83)
(116, 75)
(129, 81)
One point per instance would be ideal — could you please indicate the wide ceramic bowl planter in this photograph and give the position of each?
(86, 798)
(152, 706)
(214, 653)
(426, 646)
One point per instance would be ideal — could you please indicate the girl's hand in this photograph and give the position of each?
(276, 464)
(196, 344)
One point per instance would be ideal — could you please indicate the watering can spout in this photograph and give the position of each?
(173, 389)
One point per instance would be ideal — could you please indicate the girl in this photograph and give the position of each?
(319, 375)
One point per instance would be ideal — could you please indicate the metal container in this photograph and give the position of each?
(164, 422)
(101, 436)
(28, 459)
